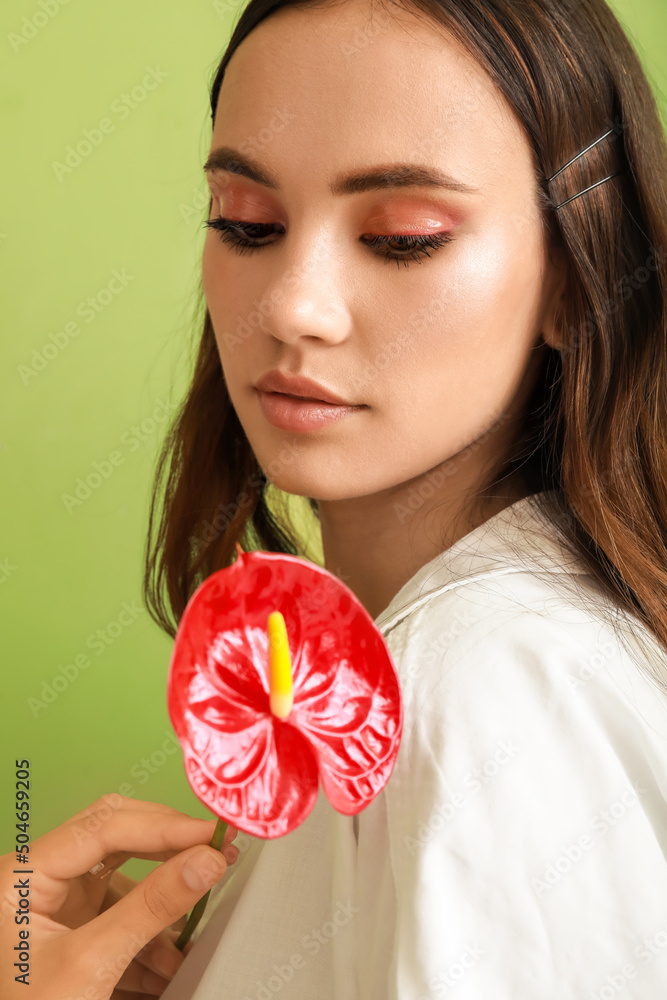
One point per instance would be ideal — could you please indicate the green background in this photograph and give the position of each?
(135, 205)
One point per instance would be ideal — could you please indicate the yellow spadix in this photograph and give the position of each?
(281, 697)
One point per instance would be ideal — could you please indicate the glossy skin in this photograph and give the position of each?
(440, 354)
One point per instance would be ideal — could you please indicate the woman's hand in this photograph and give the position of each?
(160, 955)
(94, 939)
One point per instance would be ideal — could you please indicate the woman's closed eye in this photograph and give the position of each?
(243, 237)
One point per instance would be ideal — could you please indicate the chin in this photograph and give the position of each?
(320, 484)
(306, 486)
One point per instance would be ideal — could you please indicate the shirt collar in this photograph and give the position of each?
(519, 538)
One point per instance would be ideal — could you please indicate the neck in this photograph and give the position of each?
(375, 544)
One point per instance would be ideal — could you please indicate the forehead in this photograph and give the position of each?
(354, 85)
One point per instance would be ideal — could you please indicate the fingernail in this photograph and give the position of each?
(202, 875)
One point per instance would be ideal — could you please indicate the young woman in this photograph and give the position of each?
(480, 434)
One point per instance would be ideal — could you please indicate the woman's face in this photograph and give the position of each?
(436, 355)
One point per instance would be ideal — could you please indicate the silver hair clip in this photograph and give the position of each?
(617, 128)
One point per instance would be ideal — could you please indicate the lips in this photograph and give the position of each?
(299, 387)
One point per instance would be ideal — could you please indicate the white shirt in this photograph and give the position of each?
(518, 850)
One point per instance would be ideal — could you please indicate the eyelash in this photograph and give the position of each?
(230, 232)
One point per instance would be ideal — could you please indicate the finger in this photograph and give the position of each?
(228, 849)
(90, 819)
(229, 835)
(118, 886)
(127, 995)
(168, 892)
(72, 849)
(161, 955)
(108, 867)
(231, 853)
(138, 978)
(112, 798)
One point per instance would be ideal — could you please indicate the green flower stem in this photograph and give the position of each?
(200, 905)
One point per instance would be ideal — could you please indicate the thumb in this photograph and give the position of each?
(117, 935)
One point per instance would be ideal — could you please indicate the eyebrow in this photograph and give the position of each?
(393, 175)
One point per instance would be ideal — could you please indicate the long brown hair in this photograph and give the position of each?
(595, 426)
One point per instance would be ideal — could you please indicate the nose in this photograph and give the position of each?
(307, 298)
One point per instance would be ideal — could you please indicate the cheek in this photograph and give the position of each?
(221, 312)
(469, 332)
(488, 301)
(226, 301)
(211, 272)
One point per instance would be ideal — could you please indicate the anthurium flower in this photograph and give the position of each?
(262, 718)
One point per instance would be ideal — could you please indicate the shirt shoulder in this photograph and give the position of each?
(561, 628)
(528, 794)
(532, 655)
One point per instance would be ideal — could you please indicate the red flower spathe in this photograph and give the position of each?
(252, 769)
